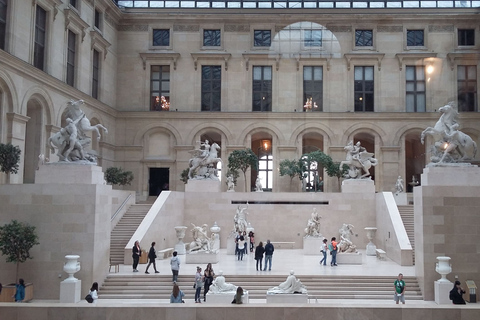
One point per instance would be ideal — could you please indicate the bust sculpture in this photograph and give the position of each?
(203, 165)
(346, 245)
(358, 160)
(220, 286)
(451, 145)
(291, 285)
(313, 225)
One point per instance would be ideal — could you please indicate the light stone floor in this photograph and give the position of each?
(284, 260)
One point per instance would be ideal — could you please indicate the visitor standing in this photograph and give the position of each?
(20, 291)
(251, 236)
(94, 292)
(237, 299)
(152, 256)
(269, 248)
(175, 265)
(136, 253)
(208, 274)
(198, 284)
(259, 254)
(323, 250)
(333, 251)
(399, 285)
(241, 248)
(456, 294)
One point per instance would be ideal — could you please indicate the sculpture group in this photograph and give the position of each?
(201, 240)
(203, 165)
(359, 161)
(313, 225)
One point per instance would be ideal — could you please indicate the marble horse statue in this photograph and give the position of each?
(358, 161)
(451, 145)
(204, 162)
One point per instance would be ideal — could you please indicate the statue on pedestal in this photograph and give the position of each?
(240, 219)
(313, 225)
(230, 183)
(399, 185)
(291, 285)
(451, 145)
(72, 140)
(220, 286)
(201, 240)
(346, 245)
(258, 185)
(358, 161)
(204, 162)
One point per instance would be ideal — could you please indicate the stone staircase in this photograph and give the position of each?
(125, 229)
(406, 212)
(118, 286)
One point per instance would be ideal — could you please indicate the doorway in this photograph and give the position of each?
(158, 181)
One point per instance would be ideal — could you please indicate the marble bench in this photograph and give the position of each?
(164, 253)
(381, 255)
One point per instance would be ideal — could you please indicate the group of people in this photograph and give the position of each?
(333, 248)
(268, 251)
(203, 281)
(152, 255)
(241, 247)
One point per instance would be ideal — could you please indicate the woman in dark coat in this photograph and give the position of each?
(136, 253)
(259, 254)
(456, 294)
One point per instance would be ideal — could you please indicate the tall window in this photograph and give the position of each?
(161, 37)
(97, 19)
(262, 38)
(363, 88)
(265, 168)
(71, 52)
(211, 88)
(467, 88)
(211, 38)
(160, 87)
(95, 73)
(73, 3)
(3, 23)
(415, 88)
(415, 38)
(313, 86)
(40, 38)
(312, 38)
(363, 38)
(262, 89)
(466, 37)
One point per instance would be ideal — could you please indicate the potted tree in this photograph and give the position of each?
(117, 176)
(242, 160)
(324, 160)
(291, 168)
(9, 158)
(16, 240)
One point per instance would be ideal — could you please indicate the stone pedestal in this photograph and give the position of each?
(231, 245)
(358, 186)
(69, 173)
(203, 186)
(225, 298)
(349, 258)
(201, 258)
(70, 291)
(442, 292)
(371, 247)
(451, 175)
(400, 198)
(180, 245)
(287, 298)
(312, 245)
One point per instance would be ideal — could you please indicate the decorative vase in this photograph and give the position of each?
(215, 229)
(443, 267)
(371, 248)
(180, 246)
(71, 266)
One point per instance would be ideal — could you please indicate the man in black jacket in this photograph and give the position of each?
(268, 255)
(152, 256)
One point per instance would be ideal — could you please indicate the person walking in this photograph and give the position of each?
(259, 250)
(323, 250)
(136, 253)
(241, 248)
(269, 248)
(198, 284)
(20, 291)
(333, 251)
(177, 295)
(175, 265)
(152, 256)
(456, 294)
(251, 236)
(399, 286)
(208, 276)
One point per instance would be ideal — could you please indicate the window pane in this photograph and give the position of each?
(461, 72)
(318, 73)
(358, 73)
(368, 73)
(421, 102)
(307, 73)
(472, 72)
(410, 73)
(410, 100)
(267, 73)
(410, 86)
(257, 73)
(161, 37)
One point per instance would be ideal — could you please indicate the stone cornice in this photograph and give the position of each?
(364, 56)
(99, 41)
(413, 56)
(261, 56)
(211, 56)
(75, 22)
(160, 56)
(453, 56)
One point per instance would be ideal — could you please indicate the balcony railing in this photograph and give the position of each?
(295, 4)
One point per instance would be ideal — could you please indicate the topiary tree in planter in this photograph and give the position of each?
(9, 158)
(242, 160)
(291, 168)
(116, 176)
(16, 240)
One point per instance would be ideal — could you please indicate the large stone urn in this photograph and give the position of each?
(180, 246)
(71, 266)
(371, 248)
(443, 267)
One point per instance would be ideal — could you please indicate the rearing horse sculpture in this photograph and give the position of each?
(200, 161)
(358, 160)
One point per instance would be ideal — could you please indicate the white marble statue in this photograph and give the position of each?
(451, 145)
(359, 160)
(291, 285)
(240, 219)
(399, 185)
(230, 183)
(201, 241)
(313, 225)
(204, 162)
(72, 140)
(258, 185)
(346, 245)
(219, 285)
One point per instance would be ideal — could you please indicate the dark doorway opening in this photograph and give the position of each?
(158, 181)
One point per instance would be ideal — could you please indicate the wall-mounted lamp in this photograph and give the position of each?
(266, 145)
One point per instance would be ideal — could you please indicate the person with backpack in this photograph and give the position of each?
(399, 285)
(333, 251)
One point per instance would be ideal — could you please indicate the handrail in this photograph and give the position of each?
(121, 207)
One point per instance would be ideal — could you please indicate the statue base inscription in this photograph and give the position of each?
(201, 258)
